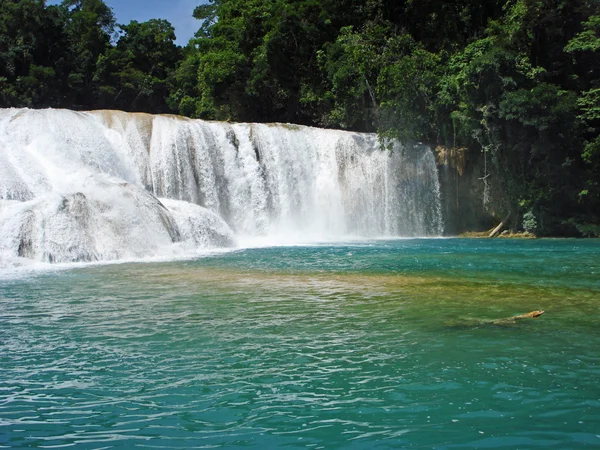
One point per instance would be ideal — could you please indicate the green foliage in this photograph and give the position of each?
(587, 40)
(66, 56)
(88, 28)
(208, 15)
(352, 64)
(221, 92)
(31, 49)
(585, 229)
(589, 103)
(263, 61)
(591, 151)
(134, 74)
(542, 107)
(530, 222)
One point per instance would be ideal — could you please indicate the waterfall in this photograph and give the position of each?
(109, 185)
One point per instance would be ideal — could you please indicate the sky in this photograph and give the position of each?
(178, 12)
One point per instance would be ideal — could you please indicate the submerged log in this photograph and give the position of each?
(472, 322)
(529, 315)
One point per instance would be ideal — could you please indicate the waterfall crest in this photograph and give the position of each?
(109, 185)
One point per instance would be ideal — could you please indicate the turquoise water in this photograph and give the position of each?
(379, 344)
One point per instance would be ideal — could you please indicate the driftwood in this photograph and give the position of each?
(472, 322)
(496, 230)
(529, 315)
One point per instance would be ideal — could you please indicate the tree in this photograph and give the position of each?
(31, 52)
(134, 74)
(585, 49)
(89, 27)
(257, 60)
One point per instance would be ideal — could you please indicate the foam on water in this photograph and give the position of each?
(107, 185)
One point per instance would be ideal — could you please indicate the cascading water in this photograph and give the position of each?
(109, 185)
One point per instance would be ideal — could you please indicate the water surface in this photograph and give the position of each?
(378, 344)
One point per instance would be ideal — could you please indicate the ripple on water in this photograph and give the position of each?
(216, 354)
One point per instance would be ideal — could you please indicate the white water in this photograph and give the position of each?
(109, 185)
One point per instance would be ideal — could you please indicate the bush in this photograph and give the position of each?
(530, 222)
